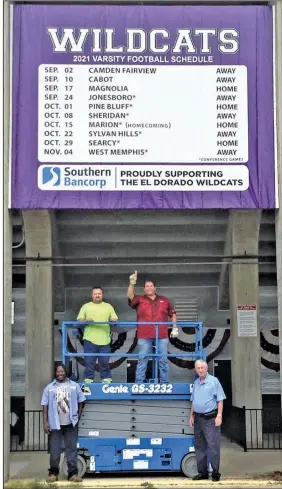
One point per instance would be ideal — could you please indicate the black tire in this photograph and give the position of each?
(81, 466)
(189, 465)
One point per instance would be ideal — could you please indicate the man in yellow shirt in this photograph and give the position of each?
(97, 337)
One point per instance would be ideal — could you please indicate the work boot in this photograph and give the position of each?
(200, 477)
(216, 477)
(75, 478)
(52, 478)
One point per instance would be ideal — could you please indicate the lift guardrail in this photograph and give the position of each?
(78, 325)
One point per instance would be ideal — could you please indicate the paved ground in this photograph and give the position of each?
(145, 483)
(238, 469)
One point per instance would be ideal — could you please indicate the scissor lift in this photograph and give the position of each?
(136, 427)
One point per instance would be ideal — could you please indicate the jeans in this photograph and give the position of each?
(145, 346)
(207, 444)
(69, 434)
(90, 362)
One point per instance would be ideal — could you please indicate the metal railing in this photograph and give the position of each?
(27, 435)
(264, 428)
(78, 325)
(253, 429)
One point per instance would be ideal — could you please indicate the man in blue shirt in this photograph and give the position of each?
(206, 417)
(62, 402)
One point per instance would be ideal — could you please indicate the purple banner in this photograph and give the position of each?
(142, 107)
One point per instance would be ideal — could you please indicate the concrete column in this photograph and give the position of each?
(278, 221)
(244, 290)
(58, 272)
(7, 251)
(39, 306)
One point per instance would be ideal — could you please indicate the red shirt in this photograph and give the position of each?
(158, 309)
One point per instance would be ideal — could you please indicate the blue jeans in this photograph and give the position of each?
(207, 444)
(90, 362)
(69, 434)
(145, 347)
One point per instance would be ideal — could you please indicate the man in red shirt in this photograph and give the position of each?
(156, 308)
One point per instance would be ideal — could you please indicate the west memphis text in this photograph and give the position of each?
(70, 40)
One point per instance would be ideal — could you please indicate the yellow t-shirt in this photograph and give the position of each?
(95, 332)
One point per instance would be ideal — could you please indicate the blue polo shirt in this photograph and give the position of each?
(50, 398)
(207, 394)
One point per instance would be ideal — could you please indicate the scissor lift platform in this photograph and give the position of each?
(136, 427)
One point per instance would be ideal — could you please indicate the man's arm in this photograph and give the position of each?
(192, 416)
(130, 292)
(171, 312)
(81, 317)
(80, 400)
(220, 408)
(220, 396)
(113, 314)
(218, 419)
(44, 403)
(80, 409)
(46, 426)
(132, 282)
(192, 412)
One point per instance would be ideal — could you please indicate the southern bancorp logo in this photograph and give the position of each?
(51, 176)
(75, 177)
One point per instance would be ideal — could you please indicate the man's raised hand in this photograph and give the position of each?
(133, 278)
